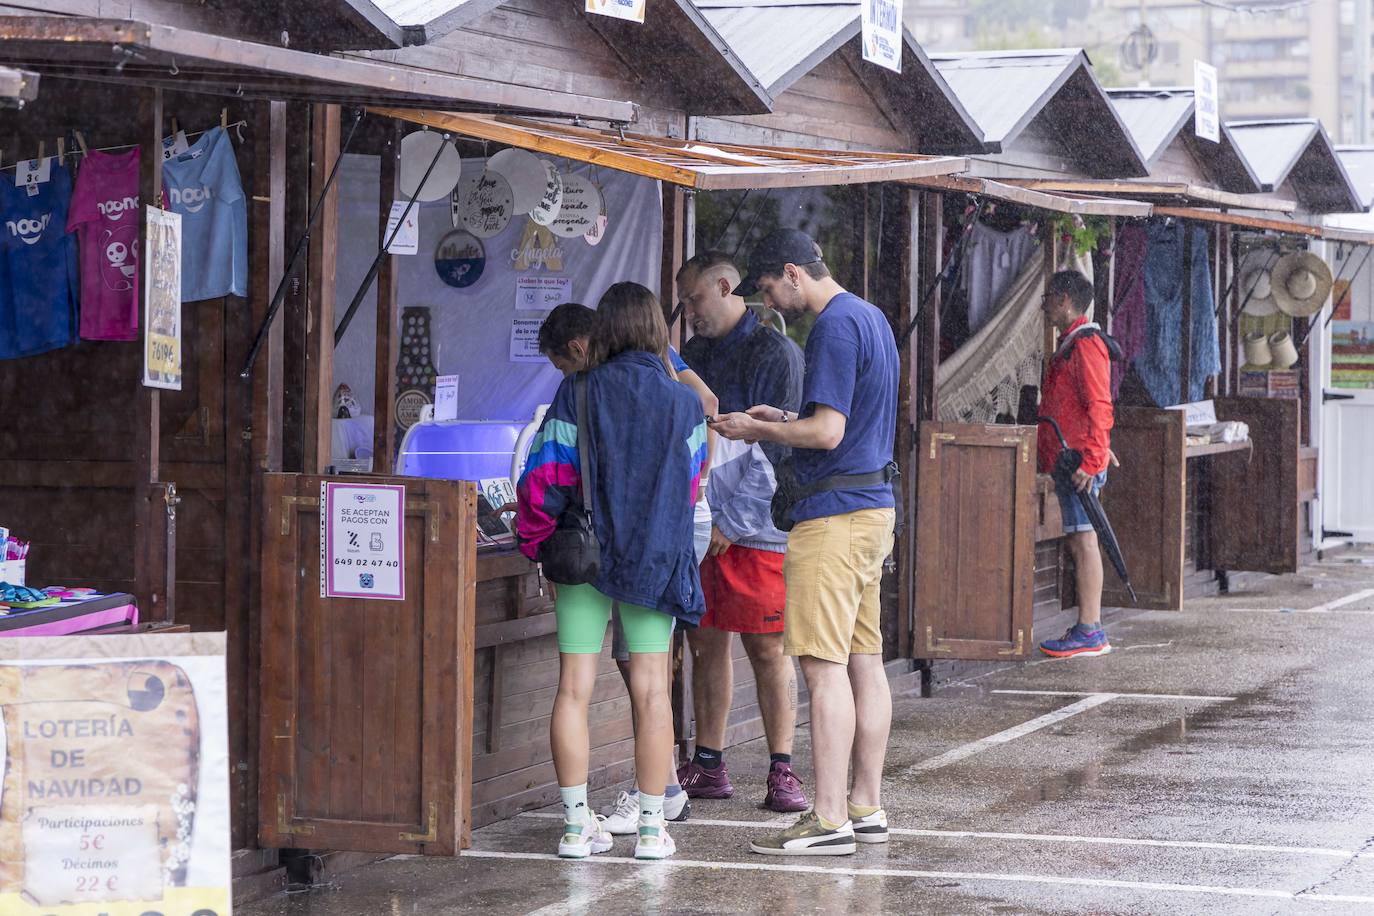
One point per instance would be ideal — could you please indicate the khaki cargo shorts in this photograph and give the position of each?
(834, 570)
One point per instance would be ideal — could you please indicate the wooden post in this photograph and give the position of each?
(930, 231)
(899, 291)
(1185, 374)
(154, 503)
(324, 251)
(384, 376)
(268, 241)
(1228, 310)
(674, 244)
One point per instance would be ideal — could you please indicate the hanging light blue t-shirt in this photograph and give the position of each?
(202, 184)
(38, 266)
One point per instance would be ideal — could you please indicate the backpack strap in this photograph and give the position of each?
(1114, 351)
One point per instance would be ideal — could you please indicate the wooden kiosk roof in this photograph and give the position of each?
(696, 165)
(1073, 203)
(1179, 192)
(147, 54)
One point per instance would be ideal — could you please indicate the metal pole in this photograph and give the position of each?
(1361, 61)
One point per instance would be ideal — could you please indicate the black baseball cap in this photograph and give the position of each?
(779, 247)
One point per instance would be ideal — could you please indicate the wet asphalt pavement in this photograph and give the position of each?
(1218, 761)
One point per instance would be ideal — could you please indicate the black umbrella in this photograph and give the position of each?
(1068, 462)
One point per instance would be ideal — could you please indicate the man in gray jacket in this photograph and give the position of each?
(744, 362)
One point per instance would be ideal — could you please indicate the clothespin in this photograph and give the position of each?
(42, 150)
(174, 127)
(224, 118)
(61, 150)
(81, 142)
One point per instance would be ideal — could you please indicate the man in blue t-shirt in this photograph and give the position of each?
(843, 527)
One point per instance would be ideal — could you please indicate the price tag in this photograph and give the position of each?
(446, 397)
(174, 146)
(30, 173)
(88, 853)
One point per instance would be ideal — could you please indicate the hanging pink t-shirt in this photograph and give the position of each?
(104, 213)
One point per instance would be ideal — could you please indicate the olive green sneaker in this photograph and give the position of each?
(807, 837)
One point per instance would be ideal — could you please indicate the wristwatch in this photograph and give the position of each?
(785, 417)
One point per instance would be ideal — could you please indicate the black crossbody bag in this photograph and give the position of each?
(572, 554)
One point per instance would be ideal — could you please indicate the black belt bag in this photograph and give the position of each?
(790, 491)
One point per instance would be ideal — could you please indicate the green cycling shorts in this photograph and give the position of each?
(583, 612)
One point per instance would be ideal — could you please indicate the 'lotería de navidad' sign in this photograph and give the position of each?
(115, 776)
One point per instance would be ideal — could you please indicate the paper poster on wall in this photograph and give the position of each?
(446, 397)
(524, 340)
(1352, 354)
(1206, 110)
(633, 10)
(162, 301)
(115, 776)
(407, 238)
(542, 294)
(882, 33)
(362, 541)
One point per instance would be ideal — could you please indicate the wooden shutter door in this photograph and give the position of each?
(367, 704)
(1255, 495)
(975, 541)
(1144, 501)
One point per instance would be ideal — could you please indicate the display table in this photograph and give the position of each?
(71, 616)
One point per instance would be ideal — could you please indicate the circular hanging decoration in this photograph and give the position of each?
(459, 258)
(597, 232)
(551, 202)
(488, 205)
(408, 405)
(417, 152)
(582, 206)
(526, 174)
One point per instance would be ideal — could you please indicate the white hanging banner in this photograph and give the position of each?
(882, 33)
(161, 299)
(1206, 108)
(633, 10)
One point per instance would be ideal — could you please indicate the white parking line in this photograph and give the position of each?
(1327, 608)
(1011, 734)
(1122, 696)
(1348, 599)
(1024, 837)
(1155, 886)
(581, 899)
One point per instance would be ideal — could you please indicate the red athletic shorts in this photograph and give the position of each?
(744, 591)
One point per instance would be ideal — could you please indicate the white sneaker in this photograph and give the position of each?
(870, 829)
(623, 818)
(581, 840)
(653, 841)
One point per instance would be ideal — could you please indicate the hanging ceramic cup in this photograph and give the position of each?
(1283, 353)
(526, 174)
(417, 155)
(551, 201)
(1257, 355)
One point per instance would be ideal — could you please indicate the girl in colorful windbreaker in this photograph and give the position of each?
(649, 437)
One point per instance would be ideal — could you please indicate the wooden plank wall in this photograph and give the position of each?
(827, 108)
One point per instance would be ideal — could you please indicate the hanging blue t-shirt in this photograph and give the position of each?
(203, 186)
(851, 366)
(38, 270)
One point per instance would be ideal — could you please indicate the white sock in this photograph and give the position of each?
(650, 808)
(574, 803)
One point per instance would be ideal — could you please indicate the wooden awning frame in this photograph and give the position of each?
(1075, 204)
(700, 166)
(1245, 221)
(1180, 192)
(142, 54)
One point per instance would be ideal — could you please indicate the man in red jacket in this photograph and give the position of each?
(1077, 394)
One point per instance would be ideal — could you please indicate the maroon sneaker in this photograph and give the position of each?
(784, 790)
(700, 782)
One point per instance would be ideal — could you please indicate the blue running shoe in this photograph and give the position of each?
(1078, 640)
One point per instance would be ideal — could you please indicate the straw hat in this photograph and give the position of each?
(1254, 275)
(1285, 355)
(1301, 281)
